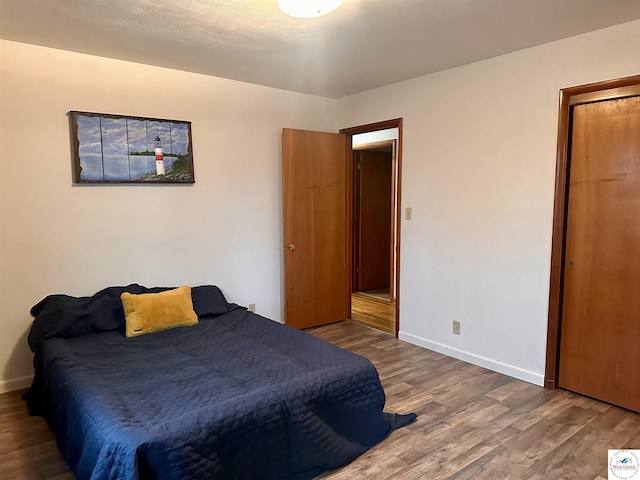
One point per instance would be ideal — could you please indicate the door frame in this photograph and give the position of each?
(372, 127)
(569, 97)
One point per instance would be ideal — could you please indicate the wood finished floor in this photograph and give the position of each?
(373, 312)
(472, 423)
(381, 293)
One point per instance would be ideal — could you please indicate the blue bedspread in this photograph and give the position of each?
(236, 396)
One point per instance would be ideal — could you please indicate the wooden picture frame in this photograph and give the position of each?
(124, 149)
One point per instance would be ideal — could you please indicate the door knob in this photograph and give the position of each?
(291, 247)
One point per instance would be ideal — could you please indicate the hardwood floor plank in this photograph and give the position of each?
(472, 423)
(574, 456)
(373, 312)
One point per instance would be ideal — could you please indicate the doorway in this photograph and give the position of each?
(318, 216)
(594, 309)
(374, 224)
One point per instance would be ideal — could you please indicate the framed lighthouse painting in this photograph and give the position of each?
(122, 149)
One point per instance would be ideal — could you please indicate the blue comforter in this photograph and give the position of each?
(236, 396)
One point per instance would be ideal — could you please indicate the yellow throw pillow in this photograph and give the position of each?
(156, 312)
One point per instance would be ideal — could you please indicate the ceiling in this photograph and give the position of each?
(363, 45)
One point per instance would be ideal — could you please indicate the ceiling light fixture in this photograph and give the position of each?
(308, 8)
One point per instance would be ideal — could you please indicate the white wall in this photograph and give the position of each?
(59, 238)
(478, 170)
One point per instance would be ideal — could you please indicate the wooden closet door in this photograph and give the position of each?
(600, 330)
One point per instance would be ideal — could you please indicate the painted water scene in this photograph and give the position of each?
(122, 149)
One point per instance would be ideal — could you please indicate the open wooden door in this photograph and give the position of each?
(315, 171)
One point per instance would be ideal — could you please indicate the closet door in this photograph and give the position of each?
(600, 329)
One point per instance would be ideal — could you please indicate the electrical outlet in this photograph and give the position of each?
(407, 213)
(251, 307)
(456, 327)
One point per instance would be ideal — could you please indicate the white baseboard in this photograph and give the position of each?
(495, 365)
(15, 383)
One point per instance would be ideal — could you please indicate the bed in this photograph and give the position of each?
(235, 396)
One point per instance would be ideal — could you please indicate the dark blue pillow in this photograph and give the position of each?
(209, 301)
(64, 316)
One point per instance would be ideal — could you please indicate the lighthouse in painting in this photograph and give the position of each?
(159, 157)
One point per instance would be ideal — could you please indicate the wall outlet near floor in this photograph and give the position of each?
(251, 307)
(455, 327)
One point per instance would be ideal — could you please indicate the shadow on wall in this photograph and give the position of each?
(18, 371)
